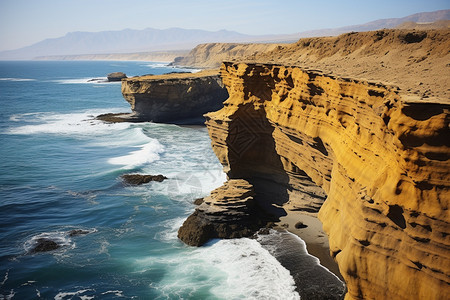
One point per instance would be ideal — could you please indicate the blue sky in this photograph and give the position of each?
(24, 22)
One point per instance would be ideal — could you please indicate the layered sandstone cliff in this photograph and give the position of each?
(174, 98)
(211, 55)
(373, 163)
(417, 61)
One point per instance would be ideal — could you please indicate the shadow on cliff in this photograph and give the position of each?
(252, 156)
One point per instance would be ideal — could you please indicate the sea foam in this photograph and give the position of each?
(147, 153)
(16, 79)
(225, 269)
(79, 123)
(59, 237)
(96, 80)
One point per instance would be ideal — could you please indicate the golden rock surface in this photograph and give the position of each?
(373, 163)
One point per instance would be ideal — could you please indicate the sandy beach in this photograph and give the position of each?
(312, 233)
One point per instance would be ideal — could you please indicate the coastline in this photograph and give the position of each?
(315, 238)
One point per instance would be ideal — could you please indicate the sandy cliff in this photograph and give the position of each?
(415, 60)
(180, 98)
(371, 161)
(211, 55)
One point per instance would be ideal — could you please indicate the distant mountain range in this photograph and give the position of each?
(424, 17)
(148, 40)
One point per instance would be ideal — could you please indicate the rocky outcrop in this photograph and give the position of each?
(116, 76)
(229, 212)
(373, 163)
(137, 179)
(44, 245)
(180, 98)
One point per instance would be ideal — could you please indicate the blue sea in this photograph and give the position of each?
(60, 171)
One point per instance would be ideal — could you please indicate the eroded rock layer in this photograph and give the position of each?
(376, 165)
(174, 98)
(229, 212)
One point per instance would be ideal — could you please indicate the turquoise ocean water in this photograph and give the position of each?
(60, 170)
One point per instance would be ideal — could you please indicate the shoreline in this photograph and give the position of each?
(315, 238)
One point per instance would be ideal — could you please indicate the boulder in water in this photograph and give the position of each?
(136, 179)
(116, 76)
(44, 245)
(77, 232)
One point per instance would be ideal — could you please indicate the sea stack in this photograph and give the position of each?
(116, 76)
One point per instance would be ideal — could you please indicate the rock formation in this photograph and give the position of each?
(116, 76)
(137, 179)
(211, 55)
(180, 98)
(372, 162)
(389, 55)
(229, 212)
(417, 61)
(44, 245)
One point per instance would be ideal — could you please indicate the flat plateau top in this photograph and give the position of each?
(176, 75)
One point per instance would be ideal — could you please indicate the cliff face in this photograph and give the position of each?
(177, 98)
(211, 55)
(417, 61)
(373, 164)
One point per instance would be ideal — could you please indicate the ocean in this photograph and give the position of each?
(61, 172)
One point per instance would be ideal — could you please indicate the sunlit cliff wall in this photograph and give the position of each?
(375, 166)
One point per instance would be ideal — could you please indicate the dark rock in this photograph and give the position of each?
(300, 225)
(77, 232)
(179, 98)
(97, 80)
(198, 201)
(136, 179)
(44, 245)
(229, 212)
(116, 76)
(117, 117)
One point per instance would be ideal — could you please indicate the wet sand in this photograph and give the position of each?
(312, 233)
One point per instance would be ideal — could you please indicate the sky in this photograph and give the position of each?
(25, 22)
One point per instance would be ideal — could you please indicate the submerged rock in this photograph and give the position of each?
(44, 245)
(136, 179)
(117, 117)
(77, 232)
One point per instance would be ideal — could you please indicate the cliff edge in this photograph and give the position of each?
(180, 98)
(372, 163)
(211, 55)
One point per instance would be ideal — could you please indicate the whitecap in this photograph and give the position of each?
(228, 269)
(251, 271)
(59, 237)
(169, 234)
(157, 65)
(116, 293)
(16, 79)
(77, 123)
(147, 153)
(89, 80)
(11, 295)
(131, 136)
(5, 279)
(64, 295)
